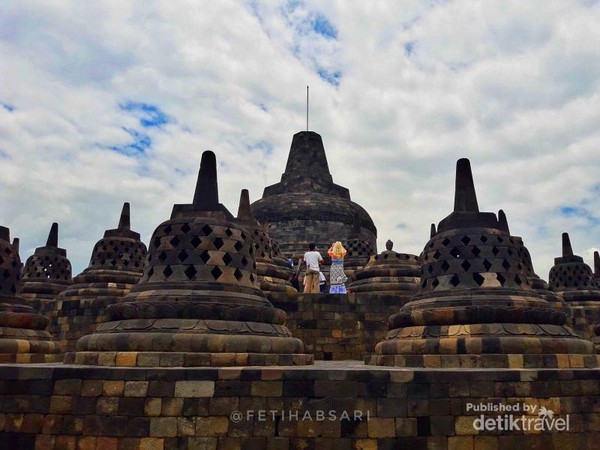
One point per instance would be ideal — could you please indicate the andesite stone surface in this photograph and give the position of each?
(23, 338)
(116, 264)
(47, 272)
(271, 277)
(387, 273)
(476, 306)
(198, 302)
(307, 206)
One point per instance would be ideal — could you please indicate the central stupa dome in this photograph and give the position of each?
(307, 206)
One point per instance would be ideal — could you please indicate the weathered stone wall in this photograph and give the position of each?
(294, 235)
(338, 327)
(54, 407)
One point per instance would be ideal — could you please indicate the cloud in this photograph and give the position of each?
(92, 116)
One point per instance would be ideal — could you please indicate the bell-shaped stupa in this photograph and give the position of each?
(574, 282)
(307, 206)
(388, 273)
(271, 278)
(475, 306)
(198, 302)
(23, 338)
(47, 273)
(359, 249)
(116, 265)
(572, 279)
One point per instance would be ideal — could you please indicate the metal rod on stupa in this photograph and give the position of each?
(52, 240)
(244, 211)
(597, 264)
(465, 199)
(207, 191)
(567, 250)
(125, 221)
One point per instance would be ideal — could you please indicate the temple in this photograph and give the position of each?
(198, 302)
(115, 266)
(47, 272)
(307, 206)
(200, 341)
(475, 306)
(23, 338)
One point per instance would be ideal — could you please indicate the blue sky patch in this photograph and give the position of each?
(141, 143)
(321, 25)
(409, 48)
(264, 146)
(332, 77)
(8, 107)
(150, 116)
(573, 211)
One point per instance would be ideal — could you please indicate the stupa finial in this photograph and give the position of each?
(4, 234)
(16, 244)
(502, 221)
(597, 264)
(465, 199)
(567, 250)
(433, 231)
(206, 195)
(53, 236)
(244, 211)
(125, 221)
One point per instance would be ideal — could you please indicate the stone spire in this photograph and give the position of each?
(125, 221)
(23, 338)
(198, 302)
(206, 195)
(46, 273)
(465, 199)
(476, 305)
(52, 240)
(307, 162)
(596, 265)
(271, 277)
(116, 264)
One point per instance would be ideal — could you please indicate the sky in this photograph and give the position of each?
(114, 101)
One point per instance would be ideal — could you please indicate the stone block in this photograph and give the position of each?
(194, 388)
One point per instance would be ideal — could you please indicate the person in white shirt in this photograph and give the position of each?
(312, 258)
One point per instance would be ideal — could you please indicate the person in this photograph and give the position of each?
(294, 281)
(322, 283)
(337, 277)
(312, 258)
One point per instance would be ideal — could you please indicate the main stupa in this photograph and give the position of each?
(307, 206)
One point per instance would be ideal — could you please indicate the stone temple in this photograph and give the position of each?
(476, 306)
(203, 344)
(307, 206)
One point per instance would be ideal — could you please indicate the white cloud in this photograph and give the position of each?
(512, 85)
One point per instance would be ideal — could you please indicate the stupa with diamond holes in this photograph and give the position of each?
(271, 278)
(475, 306)
(47, 272)
(116, 264)
(23, 338)
(307, 206)
(359, 250)
(198, 302)
(572, 279)
(388, 273)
